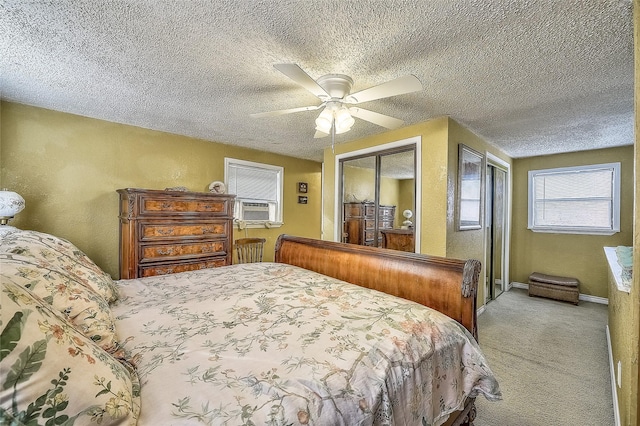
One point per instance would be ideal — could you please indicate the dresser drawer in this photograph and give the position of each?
(385, 224)
(172, 268)
(152, 231)
(386, 213)
(156, 252)
(369, 235)
(359, 210)
(369, 210)
(352, 210)
(163, 206)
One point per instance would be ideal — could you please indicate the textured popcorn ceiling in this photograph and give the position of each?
(532, 77)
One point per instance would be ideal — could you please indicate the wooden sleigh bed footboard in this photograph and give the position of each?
(446, 285)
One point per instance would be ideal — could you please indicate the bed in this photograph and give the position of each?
(283, 343)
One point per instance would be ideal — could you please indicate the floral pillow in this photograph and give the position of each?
(86, 310)
(52, 374)
(63, 254)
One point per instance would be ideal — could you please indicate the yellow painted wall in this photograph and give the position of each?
(434, 179)
(68, 168)
(469, 244)
(624, 309)
(389, 192)
(634, 323)
(622, 320)
(359, 186)
(579, 256)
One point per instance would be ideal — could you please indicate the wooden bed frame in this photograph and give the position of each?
(447, 285)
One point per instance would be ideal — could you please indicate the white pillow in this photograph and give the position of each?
(62, 254)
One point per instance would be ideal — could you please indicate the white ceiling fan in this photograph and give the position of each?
(333, 90)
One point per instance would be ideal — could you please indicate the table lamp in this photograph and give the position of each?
(11, 204)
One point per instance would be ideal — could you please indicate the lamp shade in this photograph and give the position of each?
(324, 121)
(11, 204)
(407, 224)
(344, 120)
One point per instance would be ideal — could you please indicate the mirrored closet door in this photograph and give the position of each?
(378, 199)
(495, 221)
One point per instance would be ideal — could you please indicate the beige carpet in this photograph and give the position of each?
(551, 360)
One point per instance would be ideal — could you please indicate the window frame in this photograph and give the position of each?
(242, 223)
(586, 230)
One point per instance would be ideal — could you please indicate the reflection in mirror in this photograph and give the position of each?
(359, 180)
(377, 190)
(359, 195)
(470, 188)
(495, 222)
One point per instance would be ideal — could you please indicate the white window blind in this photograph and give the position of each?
(258, 188)
(583, 199)
(253, 183)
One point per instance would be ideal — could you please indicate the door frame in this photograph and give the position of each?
(494, 161)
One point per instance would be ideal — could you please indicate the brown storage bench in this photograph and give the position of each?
(554, 287)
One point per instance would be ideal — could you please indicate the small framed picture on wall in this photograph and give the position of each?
(302, 187)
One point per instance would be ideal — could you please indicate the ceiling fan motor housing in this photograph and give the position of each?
(336, 85)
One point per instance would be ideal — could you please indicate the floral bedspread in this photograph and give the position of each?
(273, 344)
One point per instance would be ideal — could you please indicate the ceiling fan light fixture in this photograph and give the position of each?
(344, 120)
(324, 121)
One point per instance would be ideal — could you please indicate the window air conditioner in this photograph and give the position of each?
(255, 211)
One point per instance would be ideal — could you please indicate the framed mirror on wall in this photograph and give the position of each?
(470, 189)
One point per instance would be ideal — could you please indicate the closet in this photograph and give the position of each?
(378, 194)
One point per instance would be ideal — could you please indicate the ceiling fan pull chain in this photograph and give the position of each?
(333, 137)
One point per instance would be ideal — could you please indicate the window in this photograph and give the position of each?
(258, 190)
(575, 200)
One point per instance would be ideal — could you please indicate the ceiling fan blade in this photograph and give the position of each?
(297, 74)
(399, 86)
(285, 111)
(376, 118)
(320, 134)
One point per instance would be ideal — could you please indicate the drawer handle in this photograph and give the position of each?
(208, 249)
(165, 251)
(208, 206)
(166, 205)
(208, 229)
(163, 271)
(168, 231)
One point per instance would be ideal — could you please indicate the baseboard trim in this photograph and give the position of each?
(594, 299)
(480, 309)
(519, 285)
(614, 388)
(583, 297)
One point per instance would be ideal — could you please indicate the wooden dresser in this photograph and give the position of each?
(164, 232)
(359, 223)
